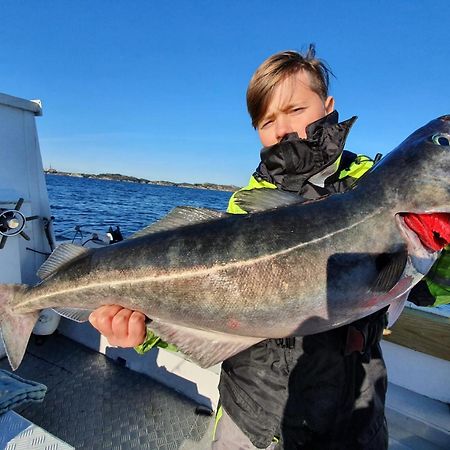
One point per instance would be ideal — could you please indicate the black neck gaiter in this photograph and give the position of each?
(291, 162)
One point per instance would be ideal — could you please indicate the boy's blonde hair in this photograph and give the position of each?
(278, 67)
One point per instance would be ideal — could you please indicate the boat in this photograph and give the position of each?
(104, 397)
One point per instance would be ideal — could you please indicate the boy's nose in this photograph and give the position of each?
(282, 128)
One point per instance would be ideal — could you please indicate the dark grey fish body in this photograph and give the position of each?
(215, 287)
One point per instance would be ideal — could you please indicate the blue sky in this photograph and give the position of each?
(157, 89)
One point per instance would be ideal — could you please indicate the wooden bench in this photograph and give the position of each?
(422, 331)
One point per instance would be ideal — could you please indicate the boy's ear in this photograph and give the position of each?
(329, 104)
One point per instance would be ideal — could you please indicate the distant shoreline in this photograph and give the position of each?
(130, 179)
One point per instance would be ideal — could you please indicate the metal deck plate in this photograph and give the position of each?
(17, 433)
(11, 424)
(93, 403)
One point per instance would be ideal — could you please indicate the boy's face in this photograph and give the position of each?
(294, 105)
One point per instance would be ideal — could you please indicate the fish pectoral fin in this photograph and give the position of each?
(60, 256)
(76, 314)
(265, 198)
(390, 269)
(179, 217)
(396, 308)
(205, 348)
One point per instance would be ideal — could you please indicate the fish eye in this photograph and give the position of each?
(441, 139)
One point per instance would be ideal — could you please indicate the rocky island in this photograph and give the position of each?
(130, 179)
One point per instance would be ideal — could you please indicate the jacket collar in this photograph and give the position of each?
(292, 162)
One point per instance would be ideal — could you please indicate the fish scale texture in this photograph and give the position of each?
(93, 403)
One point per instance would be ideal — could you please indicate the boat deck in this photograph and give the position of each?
(94, 403)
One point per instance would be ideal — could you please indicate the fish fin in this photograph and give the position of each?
(261, 199)
(203, 347)
(15, 329)
(76, 314)
(179, 217)
(396, 308)
(390, 269)
(62, 254)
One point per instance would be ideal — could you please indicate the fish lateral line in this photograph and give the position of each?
(26, 305)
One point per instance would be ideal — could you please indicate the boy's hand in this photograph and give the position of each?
(122, 327)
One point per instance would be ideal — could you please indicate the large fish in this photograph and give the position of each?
(214, 284)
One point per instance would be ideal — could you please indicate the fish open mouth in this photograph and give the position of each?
(433, 230)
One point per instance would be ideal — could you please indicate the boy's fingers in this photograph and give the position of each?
(102, 318)
(136, 329)
(120, 325)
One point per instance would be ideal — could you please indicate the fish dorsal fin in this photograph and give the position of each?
(179, 217)
(60, 256)
(265, 198)
(76, 314)
(205, 348)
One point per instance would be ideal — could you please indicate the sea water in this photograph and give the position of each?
(94, 205)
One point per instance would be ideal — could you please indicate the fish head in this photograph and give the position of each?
(423, 208)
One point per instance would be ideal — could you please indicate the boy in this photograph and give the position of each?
(327, 390)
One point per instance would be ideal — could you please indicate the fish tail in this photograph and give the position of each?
(15, 329)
